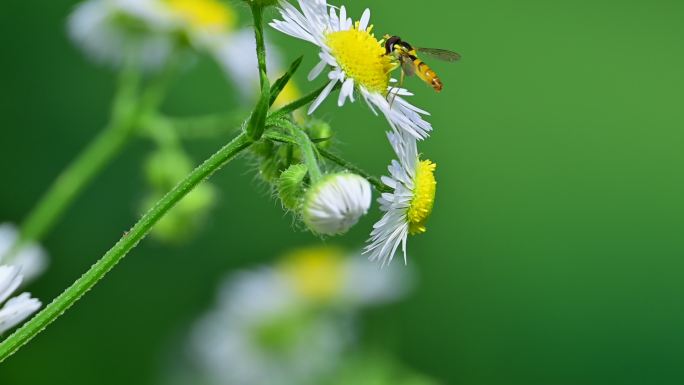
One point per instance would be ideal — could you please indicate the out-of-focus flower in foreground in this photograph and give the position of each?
(289, 323)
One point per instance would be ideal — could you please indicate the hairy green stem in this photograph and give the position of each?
(376, 182)
(65, 300)
(258, 16)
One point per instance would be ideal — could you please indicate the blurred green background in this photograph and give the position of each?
(555, 252)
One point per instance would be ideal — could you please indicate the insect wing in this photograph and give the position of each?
(440, 54)
(408, 66)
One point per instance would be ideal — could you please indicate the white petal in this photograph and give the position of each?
(347, 91)
(16, 310)
(365, 19)
(324, 94)
(316, 71)
(10, 279)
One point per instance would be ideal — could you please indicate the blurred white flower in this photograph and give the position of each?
(289, 324)
(237, 56)
(260, 335)
(336, 203)
(31, 259)
(110, 31)
(18, 308)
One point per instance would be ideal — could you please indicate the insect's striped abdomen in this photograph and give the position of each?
(428, 75)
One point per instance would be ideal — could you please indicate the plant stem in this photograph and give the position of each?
(122, 247)
(377, 183)
(258, 16)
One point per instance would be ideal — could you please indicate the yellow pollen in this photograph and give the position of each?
(317, 273)
(210, 14)
(362, 58)
(423, 197)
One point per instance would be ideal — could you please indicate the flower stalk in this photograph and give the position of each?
(258, 16)
(131, 239)
(376, 182)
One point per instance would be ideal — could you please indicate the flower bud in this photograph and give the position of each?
(336, 203)
(290, 186)
(319, 131)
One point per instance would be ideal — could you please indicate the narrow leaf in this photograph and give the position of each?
(280, 84)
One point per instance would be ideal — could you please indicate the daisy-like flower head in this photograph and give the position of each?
(16, 309)
(356, 59)
(336, 203)
(408, 206)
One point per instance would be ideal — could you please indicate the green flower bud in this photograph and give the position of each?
(320, 132)
(291, 186)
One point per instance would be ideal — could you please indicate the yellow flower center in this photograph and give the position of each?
(317, 273)
(423, 197)
(362, 58)
(205, 14)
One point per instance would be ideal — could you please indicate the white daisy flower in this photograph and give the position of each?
(408, 206)
(336, 203)
(31, 259)
(356, 59)
(18, 308)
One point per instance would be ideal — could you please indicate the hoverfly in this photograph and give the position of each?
(407, 56)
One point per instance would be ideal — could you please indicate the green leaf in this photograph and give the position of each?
(280, 84)
(257, 122)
